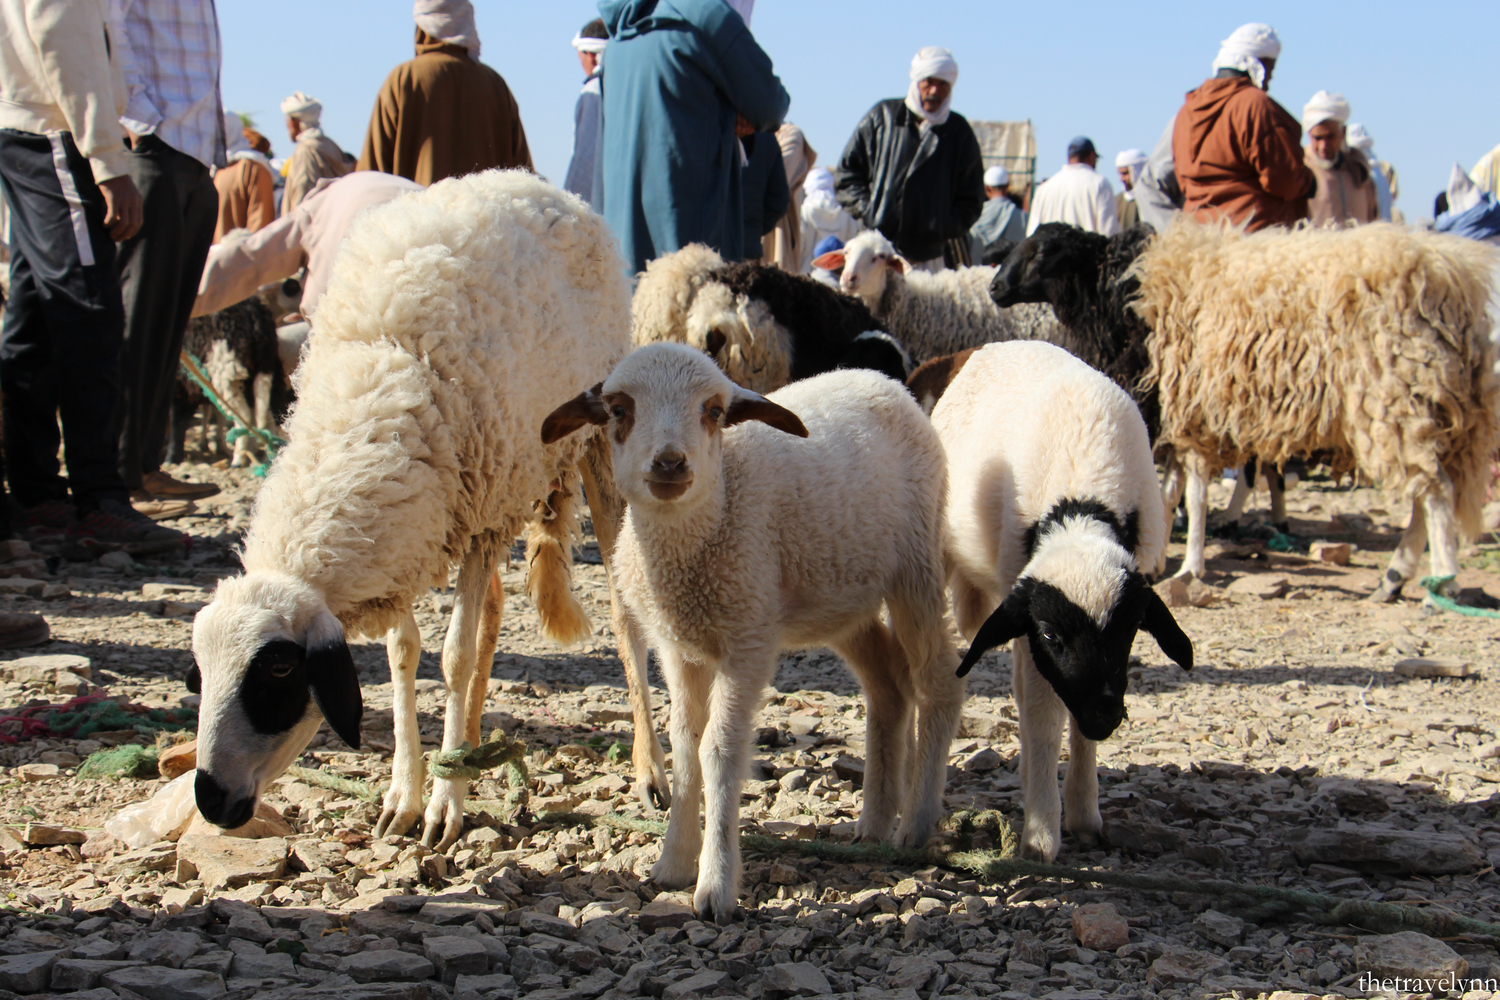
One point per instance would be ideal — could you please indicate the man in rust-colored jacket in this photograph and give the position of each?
(1238, 153)
(444, 113)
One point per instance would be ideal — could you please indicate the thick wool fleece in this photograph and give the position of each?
(1026, 425)
(453, 317)
(1373, 343)
(664, 292)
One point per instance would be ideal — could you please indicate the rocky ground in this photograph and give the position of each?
(1321, 742)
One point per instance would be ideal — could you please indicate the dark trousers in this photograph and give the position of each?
(159, 271)
(60, 341)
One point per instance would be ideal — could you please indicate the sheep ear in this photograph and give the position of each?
(334, 680)
(900, 263)
(1009, 621)
(833, 260)
(194, 680)
(1164, 629)
(748, 405)
(585, 408)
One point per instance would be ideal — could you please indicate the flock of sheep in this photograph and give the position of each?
(760, 479)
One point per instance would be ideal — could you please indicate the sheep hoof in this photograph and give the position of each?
(675, 870)
(1040, 845)
(652, 791)
(718, 905)
(399, 813)
(444, 820)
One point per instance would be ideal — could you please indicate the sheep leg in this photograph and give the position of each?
(1243, 487)
(403, 800)
(939, 695)
(722, 758)
(1081, 788)
(1276, 485)
(1442, 531)
(261, 387)
(1197, 505)
(880, 665)
(489, 633)
(235, 396)
(1042, 716)
(1403, 564)
(444, 819)
(607, 508)
(689, 685)
(1171, 493)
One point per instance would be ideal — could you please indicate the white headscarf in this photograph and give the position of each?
(996, 177)
(450, 21)
(931, 61)
(306, 110)
(1245, 49)
(1324, 107)
(594, 45)
(1135, 159)
(743, 8)
(236, 146)
(1361, 140)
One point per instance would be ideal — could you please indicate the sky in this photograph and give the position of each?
(1107, 71)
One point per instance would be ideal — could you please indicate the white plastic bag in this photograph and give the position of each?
(161, 817)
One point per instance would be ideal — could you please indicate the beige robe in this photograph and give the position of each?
(782, 246)
(315, 157)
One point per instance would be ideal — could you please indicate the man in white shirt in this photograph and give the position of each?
(169, 51)
(1076, 194)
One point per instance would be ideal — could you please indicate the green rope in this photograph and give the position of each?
(471, 762)
(128, 761)
(1434, 586)
(999, 864)
(327, 779)
(193, 368)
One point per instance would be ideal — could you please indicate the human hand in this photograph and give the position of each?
(742, 127)
(124, 210)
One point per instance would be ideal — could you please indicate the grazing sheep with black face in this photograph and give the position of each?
(758, 524)
(1053, 508)
(1372, 346)
(451, 316)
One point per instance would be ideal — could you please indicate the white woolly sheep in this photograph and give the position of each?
(763, 326)
(413, 448)
(1053, 508)
(931, 314)
(791, 529)
(1370, 346)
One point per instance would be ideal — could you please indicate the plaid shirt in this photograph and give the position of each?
(171, 57)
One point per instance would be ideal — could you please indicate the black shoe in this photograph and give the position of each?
(115, 524)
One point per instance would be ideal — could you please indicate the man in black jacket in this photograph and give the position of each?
(913, 169)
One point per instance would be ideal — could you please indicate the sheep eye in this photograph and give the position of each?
(280, 670)
(1049, 637)
(715, 412)
(618, 412)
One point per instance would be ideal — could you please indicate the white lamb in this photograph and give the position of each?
(451, 314)
(790, 530)
(931, 314)
(1053, 508)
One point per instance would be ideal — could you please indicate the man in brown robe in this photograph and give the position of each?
(247, 199)
(444, 113)
(1238, 153)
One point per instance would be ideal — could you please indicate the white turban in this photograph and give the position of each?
(1324, 107)
(1245, 49)
(594, 45)
(306, 110)
(450, 21)
(743, 8)
(1360, 139)
(929, 62)
(996, 177)
(236, 146)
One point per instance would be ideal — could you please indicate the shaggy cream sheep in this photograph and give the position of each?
(1048, 525)
(932, 315)
(451, 316)
(1370, 346)
(759, 524)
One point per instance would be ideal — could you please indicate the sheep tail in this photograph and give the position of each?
(549, 567)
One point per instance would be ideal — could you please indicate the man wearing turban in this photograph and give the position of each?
(913, 168)
(1237, 153)
(588, 114)
(1129, 164)
(444, 113)
(1346, 189)
(314, 156)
